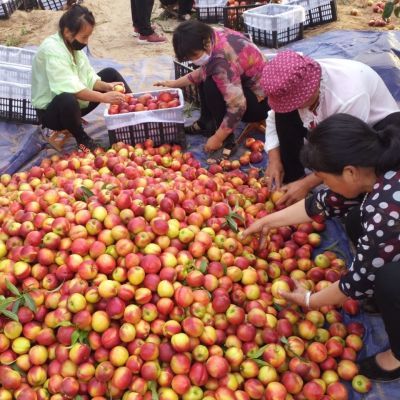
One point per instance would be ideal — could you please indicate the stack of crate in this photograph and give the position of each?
(15, 85)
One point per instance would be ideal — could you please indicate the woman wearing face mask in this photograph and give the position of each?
(65, 87)
(229, 75)
(361, 167)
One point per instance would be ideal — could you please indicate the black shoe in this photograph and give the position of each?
(200, 128)
(370, 368)
(87, 145)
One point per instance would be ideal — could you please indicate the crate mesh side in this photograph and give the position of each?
(6, 9)
(210, 15)
(159, 132)
(190, 93)
(275, 38)
(18, 110)
(54, 5)
(322, 14)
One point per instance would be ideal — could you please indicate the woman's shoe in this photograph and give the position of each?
(88, 145)
(199, 129)
(56, 139)
(370, 368)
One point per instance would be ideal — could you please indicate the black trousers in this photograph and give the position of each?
(213, 106)
(64, 112)
(184, 6)
(292, 133)
(141, 16)
(386, 290)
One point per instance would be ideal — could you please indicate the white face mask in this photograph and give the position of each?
(203, 59)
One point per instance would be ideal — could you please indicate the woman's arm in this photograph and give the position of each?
(295, 214)
(98, 97)
(181, 82)
(331, 295)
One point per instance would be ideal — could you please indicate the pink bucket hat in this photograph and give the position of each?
(289, 80)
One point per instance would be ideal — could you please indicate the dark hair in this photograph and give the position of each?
(75, 18)
(342, 140)
(189, 37)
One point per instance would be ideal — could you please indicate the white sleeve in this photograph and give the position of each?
(358, 106)
(271, 136)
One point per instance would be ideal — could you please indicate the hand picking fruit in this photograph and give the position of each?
(119, 87)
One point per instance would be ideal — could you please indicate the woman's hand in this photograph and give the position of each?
(298, 296)
(259, 226)
(169, 84)
(113, 97)
(294, 192)
(274, 172)
(213, 143)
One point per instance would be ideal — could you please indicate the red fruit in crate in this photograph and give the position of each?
(114, 109)
(152, 106)
(173, 103)
(132, 108)
(144, 98)
(133, 101)
(165, 97)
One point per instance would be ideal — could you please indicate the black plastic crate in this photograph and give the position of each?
(54, 5)
(321, 15)
(210, 15)
(6, 9)
(190, 93)
(233, 16)
(18, 110)
(275, 39)
(159, 132)
(28, 5)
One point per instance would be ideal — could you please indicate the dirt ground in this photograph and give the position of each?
(113, 37)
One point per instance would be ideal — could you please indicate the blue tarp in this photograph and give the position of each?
(22, 147)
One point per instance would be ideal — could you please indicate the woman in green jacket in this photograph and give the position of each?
(65, 86)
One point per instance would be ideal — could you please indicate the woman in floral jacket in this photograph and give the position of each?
(229, 75)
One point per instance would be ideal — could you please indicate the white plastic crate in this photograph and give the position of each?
(15, 74)
(307, 4)
(317, 11)
(168, 115)
(210, 11)
(16, 55)
(12, 90)
(15, 103)
(210, 3)
(7, 7)
(274, 17)
(54, 5)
